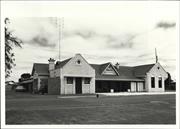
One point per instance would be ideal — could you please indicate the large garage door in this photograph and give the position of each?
(117, 86)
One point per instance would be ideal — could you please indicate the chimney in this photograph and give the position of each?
(51, 64)
(117, 65)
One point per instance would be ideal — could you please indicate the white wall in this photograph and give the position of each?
(68, 88)
(86, 87)
(155, 72)
(72, 69)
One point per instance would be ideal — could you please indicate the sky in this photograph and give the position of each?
(123, 32)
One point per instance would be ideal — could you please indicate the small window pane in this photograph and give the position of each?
(153, 82)
(160, 82)
(87, 80)
(69, 80)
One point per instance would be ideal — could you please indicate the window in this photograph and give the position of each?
(78, 62)
(160, 82)
(87, 80)
(153, 82)
(69, 80)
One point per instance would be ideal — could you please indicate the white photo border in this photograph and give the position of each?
(16, 11)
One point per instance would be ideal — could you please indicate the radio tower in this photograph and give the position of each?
(60, 27)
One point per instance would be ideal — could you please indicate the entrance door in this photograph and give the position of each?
(78, 85)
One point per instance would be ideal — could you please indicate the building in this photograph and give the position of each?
(76, 76)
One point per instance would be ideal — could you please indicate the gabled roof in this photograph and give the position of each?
(125, 72)
(60, 64)
(41, 69)
(141, 70)
(103, 66)
(106, 65)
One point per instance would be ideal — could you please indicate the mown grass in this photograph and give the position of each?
(23, 108)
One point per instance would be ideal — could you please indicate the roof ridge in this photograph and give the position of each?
(66, 59)
(105, 63)
(41, 63)
(125, 66)
(143, 65)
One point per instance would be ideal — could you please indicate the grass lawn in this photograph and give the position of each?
(25, 108)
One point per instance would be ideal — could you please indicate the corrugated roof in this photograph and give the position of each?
(141, 70)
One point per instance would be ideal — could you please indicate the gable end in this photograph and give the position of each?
(109, 70)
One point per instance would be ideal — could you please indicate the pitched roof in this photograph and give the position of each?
(141, 70)
(41, 69)
(103, 66)
(60, 64)
(125, 73)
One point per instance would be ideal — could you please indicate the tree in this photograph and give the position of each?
(10, 42)
(168, 82)
(25, 76)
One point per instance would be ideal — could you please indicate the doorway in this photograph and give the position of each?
(78, 85)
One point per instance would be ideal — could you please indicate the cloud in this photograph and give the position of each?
(86, 34)
(35, 31)
(165, 25)
(46, 36)
(120, 41)
(145, 55)
(83, 33)
(42, 41)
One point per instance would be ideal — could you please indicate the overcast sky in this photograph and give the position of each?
(124, 32)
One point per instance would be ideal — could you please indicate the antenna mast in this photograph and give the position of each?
(156, 55)
(60, 24)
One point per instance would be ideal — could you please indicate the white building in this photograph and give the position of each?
(76, 76)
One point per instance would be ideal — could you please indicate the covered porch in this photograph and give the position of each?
(107, 86)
